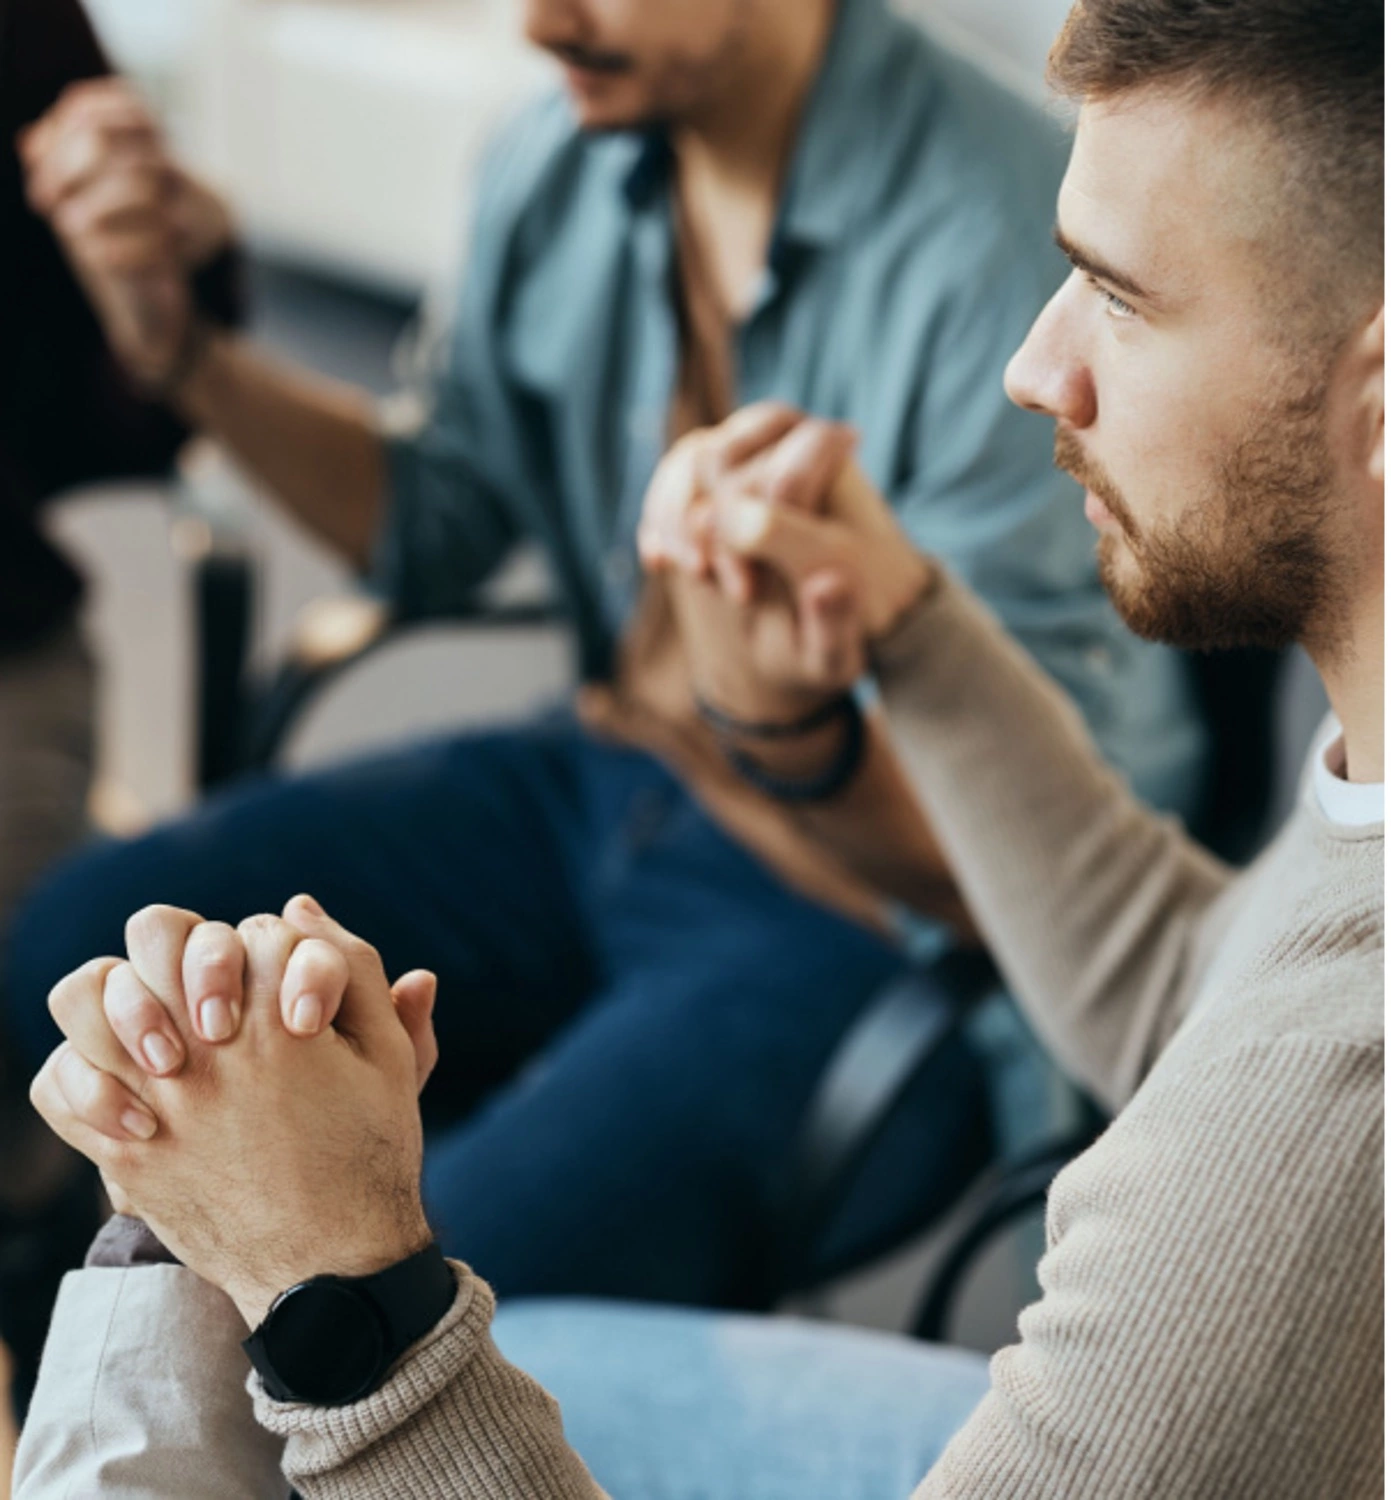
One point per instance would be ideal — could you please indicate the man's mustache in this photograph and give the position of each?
(590, 61)
(1069, 456)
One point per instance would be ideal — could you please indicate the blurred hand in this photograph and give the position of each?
(789, 561)
(268, 1157)
(849, 565)
(132, 222)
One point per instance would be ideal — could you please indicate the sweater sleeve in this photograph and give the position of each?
(1092, 904)
(1211, 1313)
(454, 1421)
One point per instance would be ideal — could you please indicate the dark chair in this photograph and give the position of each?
(880, 1065)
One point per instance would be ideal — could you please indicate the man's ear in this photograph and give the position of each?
(1372, 396)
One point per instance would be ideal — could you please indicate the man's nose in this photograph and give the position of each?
(1047, 373)
(545, 22)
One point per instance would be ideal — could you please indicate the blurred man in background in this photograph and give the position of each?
(750, 198)
(70, 414)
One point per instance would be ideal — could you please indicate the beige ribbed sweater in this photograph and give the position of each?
(1211, 1324)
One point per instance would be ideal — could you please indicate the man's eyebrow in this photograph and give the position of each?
(1093, 265)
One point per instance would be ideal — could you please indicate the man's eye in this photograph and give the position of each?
(1116, 307)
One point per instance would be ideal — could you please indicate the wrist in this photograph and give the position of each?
(794, 748)
(332, 1340)
(744, 699)
(256, 1293)
(810, 773)
(194, 394)
(168, 384)
(916, 577)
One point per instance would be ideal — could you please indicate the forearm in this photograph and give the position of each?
(877, 829)
(1092, 904)
(314, 442)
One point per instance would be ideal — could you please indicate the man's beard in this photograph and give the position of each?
(1248, 564)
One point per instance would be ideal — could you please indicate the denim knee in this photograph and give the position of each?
(76, 912)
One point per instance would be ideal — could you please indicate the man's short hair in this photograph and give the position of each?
(1311, 70)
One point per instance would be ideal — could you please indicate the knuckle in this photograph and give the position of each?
(325, 957)
(41, 1091)
(105, 1096)
(60, 999)
(67, 996)
(124, 997)
(360, 948)
(148, 925)
(118, 1160)
(260, 929)
(214, 953)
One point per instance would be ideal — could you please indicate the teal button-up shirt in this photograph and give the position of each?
(911, 252)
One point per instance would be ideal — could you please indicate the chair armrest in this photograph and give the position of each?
(223, 587)
(870, 1072)
(334, 635)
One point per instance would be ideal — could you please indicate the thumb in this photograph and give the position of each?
(790, 541)
(414, 997)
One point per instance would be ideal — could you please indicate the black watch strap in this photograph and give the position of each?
(331, 1340)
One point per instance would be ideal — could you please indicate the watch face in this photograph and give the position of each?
(326, 1342)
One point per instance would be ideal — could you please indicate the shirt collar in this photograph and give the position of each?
(841, 136)
(1351, 804)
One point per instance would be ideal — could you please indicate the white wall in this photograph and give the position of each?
(346, 130)
(1016, 34)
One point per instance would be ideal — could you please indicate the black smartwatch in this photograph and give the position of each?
(331, 1340)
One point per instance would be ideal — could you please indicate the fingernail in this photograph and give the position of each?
(138, 1123)
(306, 1014)
(311, 904)
(215, 1019)
(160, 1052)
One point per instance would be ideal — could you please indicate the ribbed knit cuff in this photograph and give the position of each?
(925, 643)
(320, 1438)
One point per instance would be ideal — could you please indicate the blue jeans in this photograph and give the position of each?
(632, 1011)
(666, 1404)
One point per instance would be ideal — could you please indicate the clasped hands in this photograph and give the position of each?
(133, 223)
(788, 565)
(250, 1093)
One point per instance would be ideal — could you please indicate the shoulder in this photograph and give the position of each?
(1279, 1137)
(542, 173)
(1302, 1082)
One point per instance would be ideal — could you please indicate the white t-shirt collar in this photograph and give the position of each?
(1353, 804)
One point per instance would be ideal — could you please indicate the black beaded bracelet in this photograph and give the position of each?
(762, 729)
(826, 784)
(193, 345)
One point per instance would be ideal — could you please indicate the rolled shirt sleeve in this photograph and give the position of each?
(142, 1396)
